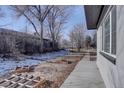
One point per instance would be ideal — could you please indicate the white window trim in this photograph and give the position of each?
(110, 32)
(108, 14)
(114, 56)
(106, 18)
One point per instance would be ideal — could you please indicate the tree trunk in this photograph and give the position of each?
(54, 46)
(41, 37)
(78, 49)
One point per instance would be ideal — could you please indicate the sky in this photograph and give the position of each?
(18, 24)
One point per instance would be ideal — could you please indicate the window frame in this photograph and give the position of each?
(103, 25)
(109, 55)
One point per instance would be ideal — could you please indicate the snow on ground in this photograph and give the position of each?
(8, 66)
(47, 56)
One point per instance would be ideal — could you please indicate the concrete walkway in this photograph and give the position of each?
(85, 75)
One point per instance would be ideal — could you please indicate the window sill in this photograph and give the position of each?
(109, 57)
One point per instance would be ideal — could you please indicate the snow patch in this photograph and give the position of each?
(8, 66)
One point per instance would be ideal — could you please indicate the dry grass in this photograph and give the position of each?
(63, 68)
(43, 84)
(53, 73)
(62, 76)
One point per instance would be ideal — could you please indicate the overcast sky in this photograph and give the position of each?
(77, 17)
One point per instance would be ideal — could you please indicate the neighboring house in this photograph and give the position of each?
(109, 22)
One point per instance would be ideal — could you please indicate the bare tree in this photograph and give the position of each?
(88, 41)
(94, 41)
(35, 14)
(56, 19)
(65, 43)
(77, 36)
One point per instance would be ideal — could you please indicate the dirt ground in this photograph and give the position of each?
(52, 73)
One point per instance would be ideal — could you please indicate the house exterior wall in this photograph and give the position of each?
(113, 74)
(120, 43)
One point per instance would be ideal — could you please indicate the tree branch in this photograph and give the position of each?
(28, 20)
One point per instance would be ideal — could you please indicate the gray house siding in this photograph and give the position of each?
(120, 43)
(113, 74)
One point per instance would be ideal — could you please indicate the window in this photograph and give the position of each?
(109, 33)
